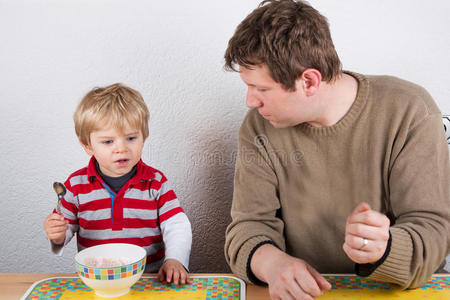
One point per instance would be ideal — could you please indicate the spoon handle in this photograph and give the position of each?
(58, 206)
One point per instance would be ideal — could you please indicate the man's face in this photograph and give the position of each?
(281, 107)
(116, 152)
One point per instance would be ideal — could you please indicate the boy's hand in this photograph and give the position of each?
(173, 268)
(55, 227)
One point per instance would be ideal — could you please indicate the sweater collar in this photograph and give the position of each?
(143, 172)
(350, 116)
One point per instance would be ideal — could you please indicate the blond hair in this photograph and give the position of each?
(116, 105)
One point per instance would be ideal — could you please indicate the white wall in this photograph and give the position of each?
(53, 52)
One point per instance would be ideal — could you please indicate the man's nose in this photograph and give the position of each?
(251, 100)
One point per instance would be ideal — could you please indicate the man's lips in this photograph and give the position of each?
(265, 116)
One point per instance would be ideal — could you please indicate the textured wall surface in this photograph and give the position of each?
(53, 52)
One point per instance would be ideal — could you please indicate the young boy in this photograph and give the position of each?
(117, 198)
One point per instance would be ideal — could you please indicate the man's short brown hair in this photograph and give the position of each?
(289, 37)
(112, 106)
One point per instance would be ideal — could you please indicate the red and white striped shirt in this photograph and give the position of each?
(145, 212)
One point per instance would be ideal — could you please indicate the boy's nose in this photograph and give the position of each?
(251, 101)
(120, 147)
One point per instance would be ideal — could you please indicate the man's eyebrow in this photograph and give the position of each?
(254, 85)
(259, 86)
(246, 83)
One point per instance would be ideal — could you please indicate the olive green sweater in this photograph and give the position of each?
(296, 186)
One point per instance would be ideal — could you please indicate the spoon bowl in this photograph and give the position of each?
(60, 190)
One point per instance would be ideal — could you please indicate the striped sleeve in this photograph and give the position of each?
(167, 202)
(175, 226)
(69, 209)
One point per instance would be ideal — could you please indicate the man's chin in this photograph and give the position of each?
(278, 124)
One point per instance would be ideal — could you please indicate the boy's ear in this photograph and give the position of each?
(87, 148)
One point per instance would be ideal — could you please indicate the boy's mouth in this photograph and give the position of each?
(122, 161)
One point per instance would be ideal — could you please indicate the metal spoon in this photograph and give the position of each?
(60, 190)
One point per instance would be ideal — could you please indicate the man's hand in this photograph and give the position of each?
(173, 268)
(288, 277)
(55, 227)
(366, 235)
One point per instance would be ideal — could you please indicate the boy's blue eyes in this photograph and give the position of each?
(130, 138)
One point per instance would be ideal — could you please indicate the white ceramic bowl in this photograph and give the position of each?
(112, 281)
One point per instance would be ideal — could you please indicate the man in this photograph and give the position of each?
(337, 172)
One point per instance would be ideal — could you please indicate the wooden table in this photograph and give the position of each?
(14, 285)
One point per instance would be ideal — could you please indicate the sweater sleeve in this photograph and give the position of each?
(255, 200)
(419, 195)
(174, 224)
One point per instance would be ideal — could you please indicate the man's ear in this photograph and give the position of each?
(310, 81)
(87, 148)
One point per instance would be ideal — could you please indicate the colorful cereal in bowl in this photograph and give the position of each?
(111, 269)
